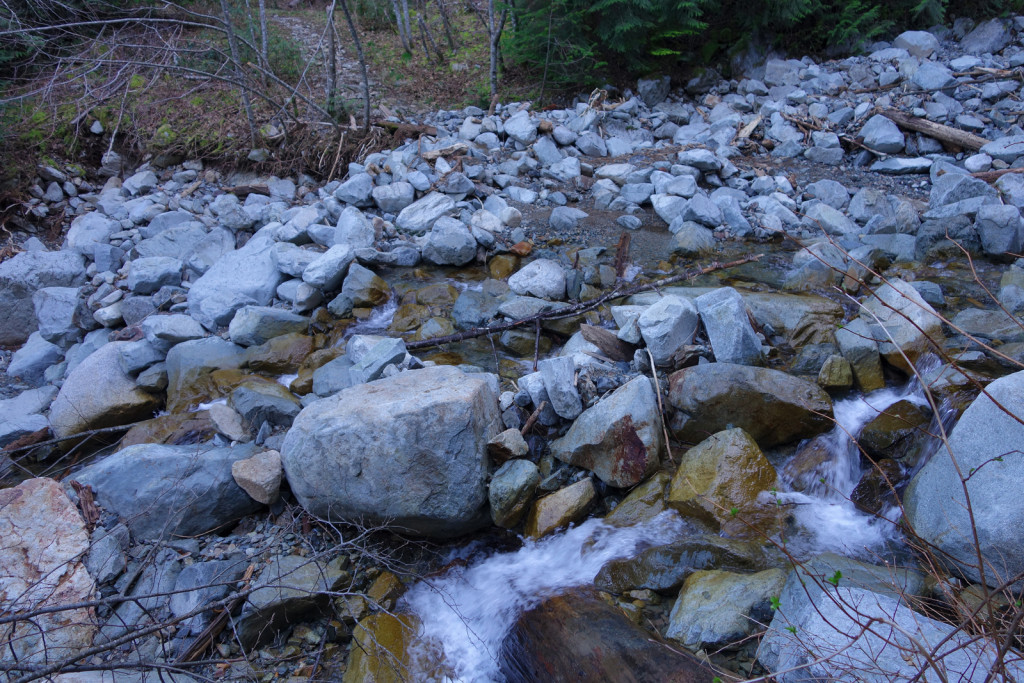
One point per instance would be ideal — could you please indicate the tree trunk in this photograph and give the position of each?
(401, 29)
(332, 64)
(264, 49)
(946, 134)
(239, 74)
(447, 26)
(362, 64)
(407, 23)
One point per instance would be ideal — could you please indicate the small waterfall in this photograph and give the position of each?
(466, 613)
(377, 321)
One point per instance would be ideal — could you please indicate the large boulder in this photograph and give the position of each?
(771, 406)
(839, 619)
(189, 365)
(44, 543)
(619, 438)
(409, 451)
(98, 394)
(23, 275)
(420, 216)
(244, 277)
(986, 445)
(905, 325)
(171, 491)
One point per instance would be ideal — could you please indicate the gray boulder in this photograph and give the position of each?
(559, 381)
(394, 197)
(511, 492)
(354, 230)
(88, 230)
(920, 44)
(521, 128)
(1006, 148)
(882, 135)
(245, 277)
(934, 76)
(449, 243)
(619, 438)
(328, 270)
(987, 37)
(147, 275)
(170, 491)
(356, 190)
(30, 362)
(175, 241)
(420, 216)
(56, 310)
(1000, 229)
(728, 326)
(254, 325)
(20, 416)
(986, 445)
(653, 91)
(691, 239)
(24, 274)
(716, 608)
(667, 326)
(409, 451)
(905, 326)
(542, 278)
(565, 217)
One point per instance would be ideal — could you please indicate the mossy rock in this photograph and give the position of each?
(642, 504)
(380, 649)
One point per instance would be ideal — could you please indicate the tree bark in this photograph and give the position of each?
(447, 26)
(332, 65)
(239, 74)
(264, 47)
(362, 64)
(946, 134)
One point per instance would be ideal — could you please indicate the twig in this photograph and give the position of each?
(79, 435)
(533, 418)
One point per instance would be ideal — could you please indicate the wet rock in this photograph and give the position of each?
(984, 444)
(162, 491)
(24, 274)
(876, 491)
(910, 326)
(408, 450)
(281, 354)
(259, 401)
(176, 429)
(289, 588)
(728, 327)
(829, 641)
(511, 491)
(619, 438)
(716, 608)
(771, 406)
(579, 636)
(542, 278)
(664, 568)
(667, 326)
(691, 239)
(363, 287)
(507, 445)
(561, 508)
(859, 348)
(380, 649)
(189, 366)
(892, 433)
(45, 540)
(254, 325)
(836, 373)
(720, 481)
(643, 503)
(993, 325)
(98, 394)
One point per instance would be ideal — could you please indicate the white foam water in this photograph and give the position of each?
(466, 614)
(377, 321)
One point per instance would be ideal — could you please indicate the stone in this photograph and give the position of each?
(29, 363)
(771, 406)
(511, 491)
(882, 135)
(363, 287)
(984, 443)
(817, 632)
(202, 583)
(258, 401)
(140, 183)
(254, 325)
(725, 319)
(908, 326)
(228, 422)
(1006, 148)
(328, 270)
(619, 438)
(290, 588)
(542, 278)
(653, 91)
(371, 366)
(920, 44)
(565, 218)
(419, 217)
(691, 239)
(667, 326)
(394, 197)
(559, 381)
(836, 373)
(644, 502)
(987, 37)
(858, 346)
(952, 188)
(831, 192)
(147, 275)
(57, 312)
(521, 127)
(106, 559)
(700, 159)
(717, 608)
(354, 230)
(720, 480)
(170, 491)
(161, 331)
(507, 445)
(449, 243)
(260, 476)
(98, 394)
(935, 77)
(561, 508)
(902, 166)
(379, 453)
(20, 416)
(380, 652)
(1001, 230)
(24, 274)
(244, 277)
(89, 230)
(45, 540)
(189, 366)
(356, 190)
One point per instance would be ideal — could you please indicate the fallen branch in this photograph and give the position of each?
(579, 308)
(947, 134)
(989, 176)
(79, 435)
(406, 128)
(209, 635)
(533, 418)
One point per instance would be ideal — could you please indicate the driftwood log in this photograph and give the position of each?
(950, 136)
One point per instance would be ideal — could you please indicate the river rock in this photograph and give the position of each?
(259, 400)
(1001, 230)
(97, 393)
(511, 491)
(166, 491)
(380, 652)
(1006, 148)
(919, 44)
(419, 216)
(720, 480)
(987, 37)
(255, 325)
(363, 287)
(24, 274)
(507, 445)
(818, 630)
(89, 230)
(561, 508)
(644, 502)
(161, 331)
(619, 438)
(667, 326)
(559, 381)
(449, 243)
(30, 362)
(542, 278)
(894, 430)
(202, 583)
(771, 406)
(910, 327)
(289, 588)
(579, 636)
(189, 365)
(857, 346)
(45, 540)
(882, 135)
(728, 326)
(408, 450)
(394, 197)
(985, 444)
(356, 190)
(57, 312)
(716, 608)
(328, 270)
(244, 277)
(663, 568)
(691, 239)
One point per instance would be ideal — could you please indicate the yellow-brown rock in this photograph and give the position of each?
(561, 508)
(643, 503)
(380, 649)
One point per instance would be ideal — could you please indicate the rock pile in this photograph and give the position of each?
(230, 310)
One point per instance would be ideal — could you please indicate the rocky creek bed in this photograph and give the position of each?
(232, 449)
